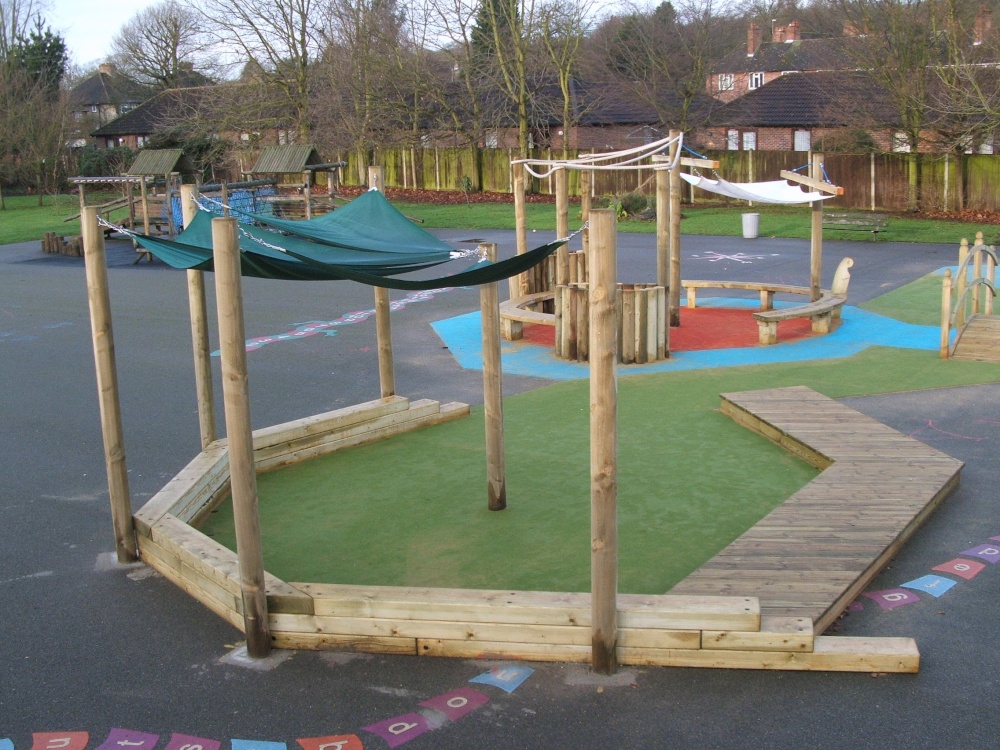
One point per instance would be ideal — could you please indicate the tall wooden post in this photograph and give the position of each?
(816, 246)
(243, 475)
(561, 176)
(383, 328)
(603, 444)
(171, 179)
(144, 201)
(674, 299)
(307, 193)
(663, 228)
(199, 332)
(946, 314)
(496, 468)
(99, 301)
(519, 283)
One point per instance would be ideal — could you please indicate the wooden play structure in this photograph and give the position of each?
(967, 305)
(603, 627)
(294, 169)
(548, 295)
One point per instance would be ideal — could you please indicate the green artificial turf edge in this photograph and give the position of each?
(690, 481)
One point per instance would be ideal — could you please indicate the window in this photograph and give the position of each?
(732, 140)
(749, 140)
(801, 140)
(725, 81)
(986, 147)
(900, 143)
(140, 141)
(492, 139)
(756, 80)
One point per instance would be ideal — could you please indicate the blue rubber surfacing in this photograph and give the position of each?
(858, 330)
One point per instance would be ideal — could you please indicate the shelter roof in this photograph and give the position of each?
(152, 161)
(286, 159)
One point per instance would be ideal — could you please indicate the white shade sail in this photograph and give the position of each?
(775, 191)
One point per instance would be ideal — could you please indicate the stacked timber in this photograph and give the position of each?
(542, 278)
(53, 244)
(642, 323)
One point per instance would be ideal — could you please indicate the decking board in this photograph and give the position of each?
(813, 554)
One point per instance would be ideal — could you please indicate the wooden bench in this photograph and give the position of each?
(823, 311)
(514, 313)
(858, 222)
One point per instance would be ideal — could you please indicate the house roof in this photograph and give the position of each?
(827, 99)
(799, 55)
(285, 159)
(106, 88)
(162, 161)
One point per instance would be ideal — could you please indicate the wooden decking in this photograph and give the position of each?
(980, 341)
(815, 553)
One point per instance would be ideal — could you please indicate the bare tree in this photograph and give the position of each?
(17, 18)
(564, 25)
(161, 46)
(279, 39)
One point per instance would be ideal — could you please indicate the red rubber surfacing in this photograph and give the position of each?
(703, 328)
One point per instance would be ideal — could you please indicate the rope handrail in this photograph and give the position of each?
(595, 162)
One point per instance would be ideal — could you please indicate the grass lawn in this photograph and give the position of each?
(24, 220)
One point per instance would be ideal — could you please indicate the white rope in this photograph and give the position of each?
(116, 227)
(626, 159)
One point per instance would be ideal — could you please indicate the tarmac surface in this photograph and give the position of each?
(91, 646)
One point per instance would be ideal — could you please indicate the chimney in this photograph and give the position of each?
(755, 35)
(778, 34)
(982, 25)
(107, 69)
(792, 32)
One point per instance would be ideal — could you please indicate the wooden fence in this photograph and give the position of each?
(870, 181)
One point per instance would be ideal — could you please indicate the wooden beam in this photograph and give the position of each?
(674, 287)
(816, 243)
(817, 183)
(383, 328)
(603, 443)
(199, 332)
(561, 177)
(685, 161)
(243, 475)
(99, 301)
(519, 283)
(496, 469)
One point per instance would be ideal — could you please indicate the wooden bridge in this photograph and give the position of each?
(811, 557)
(980, 342)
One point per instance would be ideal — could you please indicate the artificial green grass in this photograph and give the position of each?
(411, 510)
(24, 220)
(918, 302)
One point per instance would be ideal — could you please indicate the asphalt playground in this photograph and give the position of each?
(118, 653)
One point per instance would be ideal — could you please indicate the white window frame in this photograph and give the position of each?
(749, 140)
(755, 81)
(732, 140)
(900, 143)
(801, 140)
(726, 82)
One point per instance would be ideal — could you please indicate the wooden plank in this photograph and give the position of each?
(830, 654)
(461, 629)
(775, 634)
(202, 473)
(362, 644)
(330, 421)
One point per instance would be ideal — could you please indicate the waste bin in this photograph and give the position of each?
(751, 223)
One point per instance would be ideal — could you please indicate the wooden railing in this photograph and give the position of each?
(963, 297)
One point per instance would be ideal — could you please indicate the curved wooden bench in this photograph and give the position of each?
(821, 312)
(767, 291)
(514, 313)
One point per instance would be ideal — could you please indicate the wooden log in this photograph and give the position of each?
(663, 227)
(496, 472)
(961, 281)
(243, 476)
(816, 242)
(99, 301)
(674, 286)
(519, 285)
(586, 187)
(561, 176)
(199, 332)
(627, 338)
(383, 336)
(603, 444)
(662, 329)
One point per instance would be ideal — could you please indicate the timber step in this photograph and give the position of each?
(980, 341)
(814, 554)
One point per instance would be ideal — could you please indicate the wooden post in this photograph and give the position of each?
(99, 301)
(521, 228)
(496, 470)
(225, 199)
(307, 193)
(243, 475)
(663, 227)
(561, 176)
(168, 201)
(961, 282)
(383, 329)
(603, 444)
(586, 176)
(199, 332)
(674, 287)
(144, 200)
(946, 314)
(816, 246)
